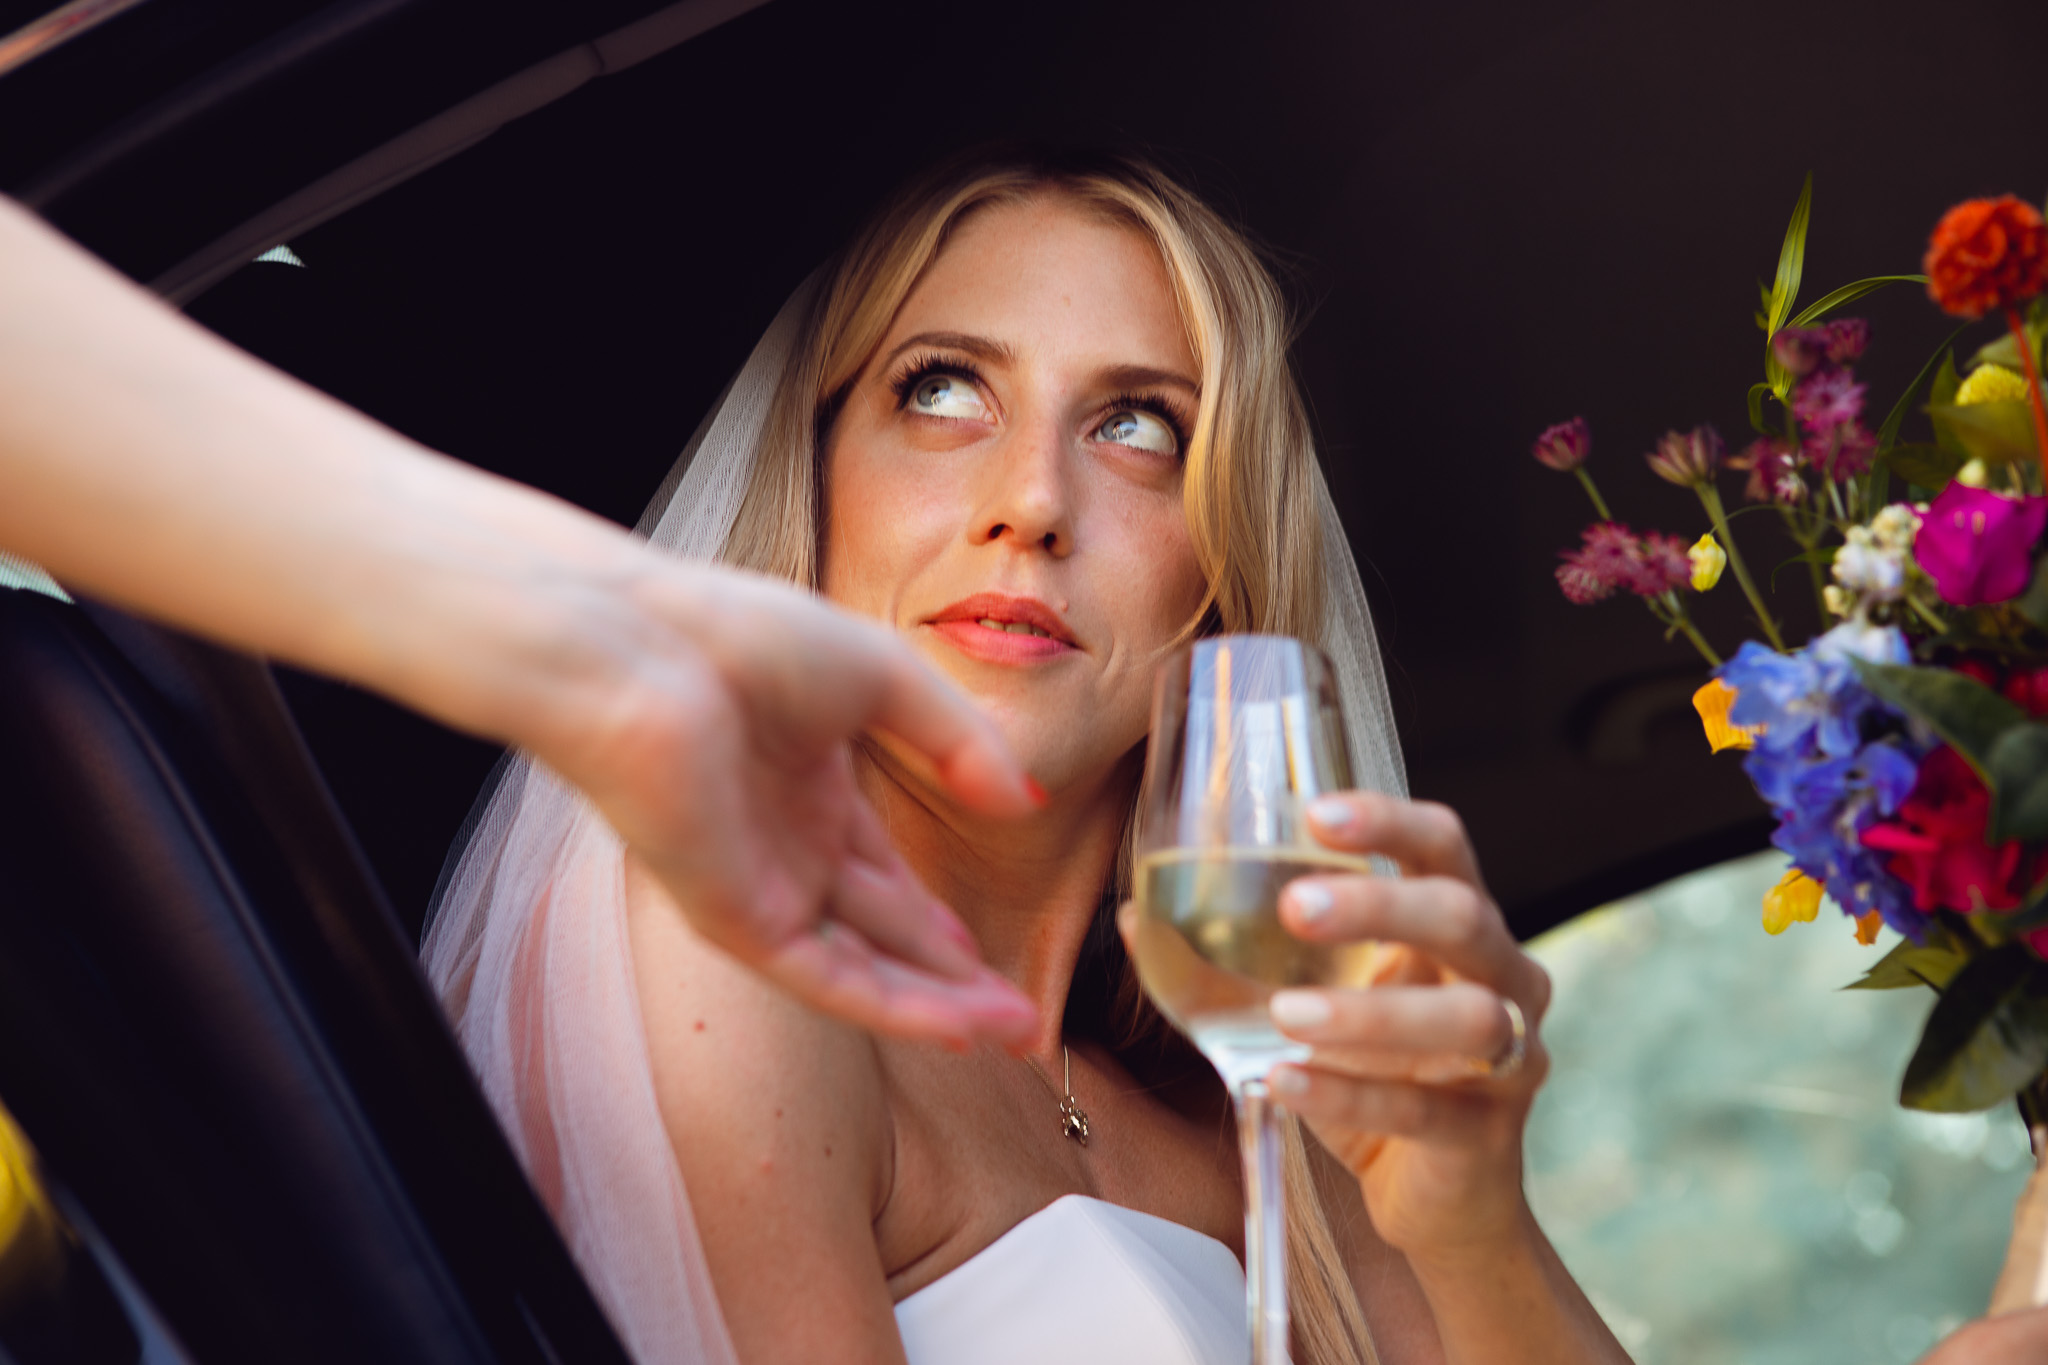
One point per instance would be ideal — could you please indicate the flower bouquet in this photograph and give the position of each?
(1903, 749)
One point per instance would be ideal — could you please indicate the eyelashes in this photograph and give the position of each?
(921, 367)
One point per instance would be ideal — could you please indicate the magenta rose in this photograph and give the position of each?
(1978, 546)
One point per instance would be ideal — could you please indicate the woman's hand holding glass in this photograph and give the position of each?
(1415, 1083)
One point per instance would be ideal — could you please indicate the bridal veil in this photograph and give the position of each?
(527, 943)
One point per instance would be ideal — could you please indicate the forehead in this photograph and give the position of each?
(1050, 277)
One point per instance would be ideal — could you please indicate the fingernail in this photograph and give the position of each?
(1036, 792)
(1300, 1009)
(1287, 1082)
(1312, 901)
(1332, 813)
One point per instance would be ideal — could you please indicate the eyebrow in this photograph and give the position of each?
(981, 348)
(998, 353)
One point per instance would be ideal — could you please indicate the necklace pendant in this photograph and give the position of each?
(1073, 1121)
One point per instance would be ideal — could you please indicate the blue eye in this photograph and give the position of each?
(1140, 430)
(946, 395)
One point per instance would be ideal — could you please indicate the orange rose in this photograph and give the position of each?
(1987, 254)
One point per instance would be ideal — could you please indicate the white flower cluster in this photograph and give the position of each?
(1872, 566)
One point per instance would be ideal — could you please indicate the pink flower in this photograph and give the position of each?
(1977, 545)
(1846, 339)
(1687, 458)
(1565, 446)
(1801, 350)
(1611, 557)
(1854, 448)
(1827, 399)
(1773, 463)
(1583, 585)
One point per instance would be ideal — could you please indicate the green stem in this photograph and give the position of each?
(1599, 503)
(1710, 498)
(1683, 620)
(1807, 542)
(1920, 609)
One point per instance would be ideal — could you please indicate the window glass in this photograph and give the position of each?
(1719, 1154)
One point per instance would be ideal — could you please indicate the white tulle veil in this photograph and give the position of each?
(527, 944)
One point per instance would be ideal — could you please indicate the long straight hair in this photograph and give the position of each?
(1249, 492)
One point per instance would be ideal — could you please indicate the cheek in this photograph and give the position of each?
(878, 514)
(1151, 576)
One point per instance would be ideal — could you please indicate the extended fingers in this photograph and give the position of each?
(933, 717)
(1425, 838)
(876, 893)
(838, 972)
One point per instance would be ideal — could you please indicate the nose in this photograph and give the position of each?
(1026, 493)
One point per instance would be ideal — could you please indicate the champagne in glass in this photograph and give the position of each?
(1246, 731)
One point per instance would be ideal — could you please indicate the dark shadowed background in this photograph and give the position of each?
(1493, 216)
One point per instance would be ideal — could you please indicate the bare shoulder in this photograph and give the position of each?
(781, 1126)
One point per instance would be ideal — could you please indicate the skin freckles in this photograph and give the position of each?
(1042, 316)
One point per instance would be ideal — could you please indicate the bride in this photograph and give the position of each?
(1038, 417)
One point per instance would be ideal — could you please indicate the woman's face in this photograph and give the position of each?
(1003, 483)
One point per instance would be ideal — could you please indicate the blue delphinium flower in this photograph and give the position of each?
(1830, 760)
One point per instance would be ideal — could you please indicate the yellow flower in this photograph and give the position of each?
(1708, 559)
(1975, 474)
(1867, 927)
(1992, 384)
(1712, 702)
(1795, 897)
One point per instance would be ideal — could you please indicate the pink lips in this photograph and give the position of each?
(963, 624)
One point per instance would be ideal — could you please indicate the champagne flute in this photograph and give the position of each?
(1246, 731)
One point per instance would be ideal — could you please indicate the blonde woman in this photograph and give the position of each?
(1038, 418)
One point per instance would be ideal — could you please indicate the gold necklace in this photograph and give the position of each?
(1073, 1118)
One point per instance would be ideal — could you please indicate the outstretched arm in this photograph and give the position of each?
(705, 711)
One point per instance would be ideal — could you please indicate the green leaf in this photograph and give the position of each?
(1848, 294)
(2018, 765)
(1888, 434)
(2004, 351)
(1946, 382)
(1756, 408)
(2033, 603)
(1963, 711)
(1985, 1038)
(1928, 466)
(1785, 287)
(1996, 433)
(1911, 964)
(1791, 258)
(1941, 392)
(1820, 554)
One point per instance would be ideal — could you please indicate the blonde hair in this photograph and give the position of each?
(1250, 489)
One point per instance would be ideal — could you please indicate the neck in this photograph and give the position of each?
(1028, 889)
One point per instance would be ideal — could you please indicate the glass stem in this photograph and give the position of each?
(1265, 1224)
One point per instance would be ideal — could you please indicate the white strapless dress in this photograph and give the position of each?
(1084, 1282)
